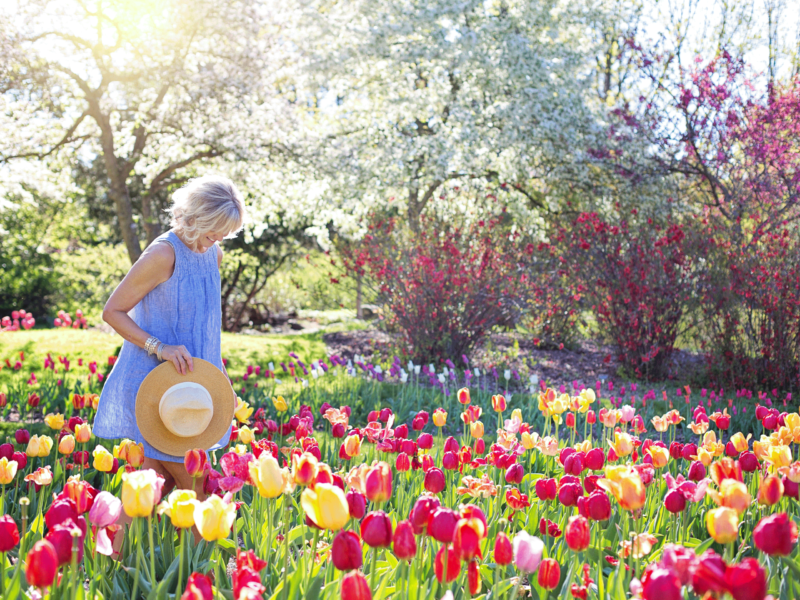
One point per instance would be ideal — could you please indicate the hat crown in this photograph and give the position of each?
(186, 409)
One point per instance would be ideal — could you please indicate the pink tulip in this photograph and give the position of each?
(105, 510)
(527, 552)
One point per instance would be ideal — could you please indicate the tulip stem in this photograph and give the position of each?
(313, 551)
(285, 545)
(74, 568)
(372, 570)
(152, 550)
(180, 558)
(138, 560)
(445, 582)
(269, 532)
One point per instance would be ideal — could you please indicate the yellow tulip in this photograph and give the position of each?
(722, 524)
(660, 424)
(83, 433)
(699, 428)
(103, 460)
(704, 456)
(39, 445)
(626, 486)
(476, 430)
(8, 470)
(779, 456)
(120, 450)
(740, 443)
(280, 404)
(266, 473)
(55, 422)
(622, 444)
(243, 411)
(66, 445)
(246, 435)
(529, 440)
(179, 507)
(732, 494)
(583, 446)
(516, 414)
(792, 421)
(135, 456)
(659, 455)
(352, 445)
(439, 417)
(326, 506)
(140, 491)
(214, 518)
(548, 446)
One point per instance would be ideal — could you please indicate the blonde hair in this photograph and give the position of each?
(207, 204)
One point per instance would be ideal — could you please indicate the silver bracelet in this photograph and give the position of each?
(158, 352)
(150, 344)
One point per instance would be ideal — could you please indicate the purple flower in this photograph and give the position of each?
(283, 366)
(293, 355)
(450, 364)
(465, 359)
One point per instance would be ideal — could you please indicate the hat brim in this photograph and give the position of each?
(163, 377)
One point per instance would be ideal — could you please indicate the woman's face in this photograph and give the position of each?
(205, 241)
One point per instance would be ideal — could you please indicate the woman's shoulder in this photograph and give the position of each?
(158, 259)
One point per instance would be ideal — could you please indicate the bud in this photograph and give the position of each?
(549, 574)
(404, 543)
(577, 533)
(376, 529)
(378, 483)
(434, 480)
(346, 551)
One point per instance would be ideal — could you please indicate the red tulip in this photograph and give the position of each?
(467, 538)
(195, 462)
(451, 445)
(247, 583)
(515, 473)
(450, 461)
(595, 459)
(453, 565)
(790, 488)
(357, 503)
(404, 543)
(378, 483)
(775, 535)
(355, 587)
(199, 587)
(746, 580)
(697, 471)
(376, 529)
(346, 551)
(549, 574)
(675, 501)
(569, 493)
(60, 511)
(748, 461)
(598, 506)
(591, 417)
(473, 577)
(503, 550)
(661, 584)
(709, 574)
(9, 534)
(402, 462)
(425, 441)
(420, 514)
(577, 534)
(6, 451)
(770, 491)
(401, 431)
(442, 524)
(61, 538)
(42, 564)
(22, 436)
(546, 489)
(434, 480)
(590, 483)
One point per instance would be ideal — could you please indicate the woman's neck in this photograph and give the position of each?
(192, 247)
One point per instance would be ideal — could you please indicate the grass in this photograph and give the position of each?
(239, 350)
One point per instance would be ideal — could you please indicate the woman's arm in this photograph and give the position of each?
(153, 268)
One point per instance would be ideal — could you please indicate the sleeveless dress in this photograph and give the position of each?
(184, 310)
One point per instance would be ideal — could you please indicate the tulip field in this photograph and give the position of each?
(350, 480)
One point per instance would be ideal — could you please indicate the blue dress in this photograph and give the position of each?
(184, 310)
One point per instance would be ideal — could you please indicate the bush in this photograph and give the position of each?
(638, 278)
(445, 286)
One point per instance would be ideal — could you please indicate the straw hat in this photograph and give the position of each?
(176, 413)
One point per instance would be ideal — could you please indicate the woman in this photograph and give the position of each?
(173, 296)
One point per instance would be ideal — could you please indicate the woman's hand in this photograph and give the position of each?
(178, 356)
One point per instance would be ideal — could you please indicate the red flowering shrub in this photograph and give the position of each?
(445, 286)
(638, 279)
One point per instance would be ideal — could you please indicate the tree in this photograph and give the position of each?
(154, 88)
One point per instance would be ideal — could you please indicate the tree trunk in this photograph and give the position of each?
(359, 298)
(152, 226)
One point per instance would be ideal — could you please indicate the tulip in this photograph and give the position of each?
(355, 587)
(66, 445)
(549, 574)
(61, 510)
(463, 396)
(378, 483)
(42, 564)
(450, 461)
(179, 507)
(697, 471)
(243, 411)
(746, 580)
(421, 512)
(22, 436)
(9, 534)
(546, 489)
(595, 459)
(515, 474)
(722, 524)
(598, 506)
(577, 534)
(425, 441)
(105, 510)
(467, 538)
(356, 504)
(775, 535)
(267, 476)
(402, 463)
(352, 445)
(770, 491)
(141, 490)
(326, 506)
(376, 529)
(199, 587)
(748, 461)
(442, 524)
(39, 446)
(661, 584)
(280, 404)
(659, 456)
(54, 422)
(675, 501)
(732, 494)
(626, 486)
(346, 551)
(41, 476)
(453, 565)
(527, 552)
(439, 417)
(8, 470)
(503, 550)
(476, 429)
(498, 403)
(404, 543)
(103, 459)
(214, 518)
(61, 537)
(304, 468)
